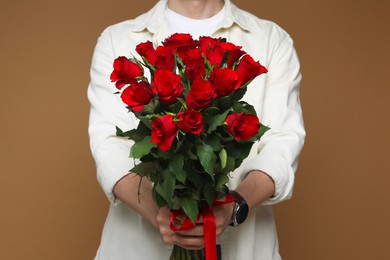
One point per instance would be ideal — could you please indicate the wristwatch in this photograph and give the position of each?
(241, 209)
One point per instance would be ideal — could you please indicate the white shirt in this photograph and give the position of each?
(195, 27)
(274, 95)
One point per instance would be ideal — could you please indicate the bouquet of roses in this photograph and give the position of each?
(193, 127)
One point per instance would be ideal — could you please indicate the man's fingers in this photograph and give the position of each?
(198, 230)
(188, 242)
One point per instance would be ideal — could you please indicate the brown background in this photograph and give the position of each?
(51, 205)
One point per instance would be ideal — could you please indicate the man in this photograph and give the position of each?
(140, 230)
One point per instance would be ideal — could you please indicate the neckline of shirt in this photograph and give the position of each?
(217, 17)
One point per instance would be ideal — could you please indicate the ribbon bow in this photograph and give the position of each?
(208, 222)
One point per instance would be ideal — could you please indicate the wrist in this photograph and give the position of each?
(240, 209)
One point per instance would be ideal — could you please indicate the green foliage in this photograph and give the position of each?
(142, 147)
(223, 157)
(144, 168)
(217, 120)
(207, 158)
(189, 207)
(209, 193)
(176, 166)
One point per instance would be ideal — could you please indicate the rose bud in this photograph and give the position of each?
(190, 121)
(164, 131)
(210, 47)
(165, 58)
(137, 95)
(225, 81)
(180, 42)
(195, 67)
(125, 72)
(167, 86)
(248, 69)
(235, 52)
(200, 95)
(242, 126)
(146, 50)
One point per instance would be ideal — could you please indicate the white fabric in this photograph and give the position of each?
(274, 95)
(195, 27)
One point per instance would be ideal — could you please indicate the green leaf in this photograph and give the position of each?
(144, 168)
(222, 180)
(179, 62)
(217, 120)
(209, 193)
(182, 102)
(193, 176)
(190, 208)
(230, 165)
(189, 153)
(224, 103)
(207, 158)
(158, 199)
(263, 129)
(142, 148)
(165, 155)
(233, 150)
(167, 187)
(245, 148)
(135, 134)
(214, 141)
(176, 167)
(179, 143)
(148, 64)
(223, 158)
(242, 106)
(119, 132)
(238, 94)
(134, 59)
(260, 133)
(169, 183)
(149, 108)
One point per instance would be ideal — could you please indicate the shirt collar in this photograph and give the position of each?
(154, 19)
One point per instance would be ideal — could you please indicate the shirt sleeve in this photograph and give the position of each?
(111, 153)
(278, 150)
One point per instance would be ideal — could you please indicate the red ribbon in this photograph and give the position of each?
(210, 237)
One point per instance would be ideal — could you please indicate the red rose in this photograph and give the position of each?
(248, 69)
(180, 42)
(242, 126)
(194, 63)
(165, 58)
(190, 121)
(200, 95)
(146, 50)
(164, 132)
(225, 81)
(137, 95)
(167, 86)
(125, 72)
(235, 52)
(210, 47)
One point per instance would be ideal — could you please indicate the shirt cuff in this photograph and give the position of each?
(113, 168)
(277, 168)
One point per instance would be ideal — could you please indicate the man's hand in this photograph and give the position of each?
(223, 216)
(192, 239)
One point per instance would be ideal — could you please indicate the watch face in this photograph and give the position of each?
(242, 213)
